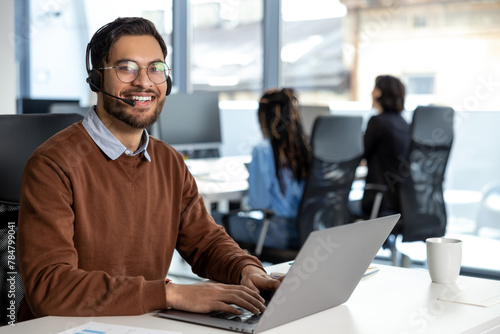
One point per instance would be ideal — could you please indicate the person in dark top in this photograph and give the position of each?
(387, 142)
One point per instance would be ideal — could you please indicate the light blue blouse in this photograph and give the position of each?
(264, 188)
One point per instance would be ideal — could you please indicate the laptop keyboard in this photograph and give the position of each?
(246, 316)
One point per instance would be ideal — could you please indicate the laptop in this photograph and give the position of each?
(324, 274)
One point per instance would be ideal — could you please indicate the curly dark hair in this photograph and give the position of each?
(392, 98)
(279, 112)
(107, 35)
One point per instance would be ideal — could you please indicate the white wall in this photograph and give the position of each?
(8, 83)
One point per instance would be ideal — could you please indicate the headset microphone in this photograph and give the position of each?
(95, 88)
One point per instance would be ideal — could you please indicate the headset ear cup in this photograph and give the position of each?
(169, 86)
(94, 81)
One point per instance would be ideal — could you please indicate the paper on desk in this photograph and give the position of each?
(102, 328)
(482, 295)
(371, 270)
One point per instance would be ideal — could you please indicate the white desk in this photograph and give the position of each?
(394, 300)
(220, 180)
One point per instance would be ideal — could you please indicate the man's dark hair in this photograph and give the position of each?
(106, 36)
(392, 98)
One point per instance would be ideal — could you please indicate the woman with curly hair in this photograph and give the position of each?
(278, 170)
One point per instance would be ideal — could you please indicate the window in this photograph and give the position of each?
(420, 21)
(419, 83)
(65, 28)
(312, 49)
(227, 46)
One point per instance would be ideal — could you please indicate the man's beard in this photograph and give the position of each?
(117, 109)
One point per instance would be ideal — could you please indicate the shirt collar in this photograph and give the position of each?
(107, 142)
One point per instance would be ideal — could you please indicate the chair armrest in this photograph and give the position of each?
(266, 214)
(379, 190)
(266, 220)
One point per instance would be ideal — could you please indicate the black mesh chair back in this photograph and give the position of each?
(422, 201)
(337, 150)
(20, 135)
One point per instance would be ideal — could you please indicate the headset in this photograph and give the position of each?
(94, 79)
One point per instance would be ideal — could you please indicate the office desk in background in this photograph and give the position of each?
(393, 300)
(221, 180)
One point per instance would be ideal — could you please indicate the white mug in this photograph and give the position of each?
(444, 258)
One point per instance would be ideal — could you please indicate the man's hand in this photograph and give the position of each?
(207, 297)
(257, 279)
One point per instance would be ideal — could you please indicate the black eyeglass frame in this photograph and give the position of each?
(151, 65)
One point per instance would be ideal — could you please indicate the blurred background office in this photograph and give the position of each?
(446, 53)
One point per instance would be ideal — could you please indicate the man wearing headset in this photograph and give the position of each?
(104, 205)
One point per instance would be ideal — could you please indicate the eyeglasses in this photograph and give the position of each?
(128, 70)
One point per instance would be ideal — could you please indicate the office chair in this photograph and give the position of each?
(423, 211)
(337, 149)
(20, 135)
(422, 200)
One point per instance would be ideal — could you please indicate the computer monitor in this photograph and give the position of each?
(308, 115)
(41, 106)
(191, 122)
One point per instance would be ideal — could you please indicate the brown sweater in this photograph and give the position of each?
(96, 236)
